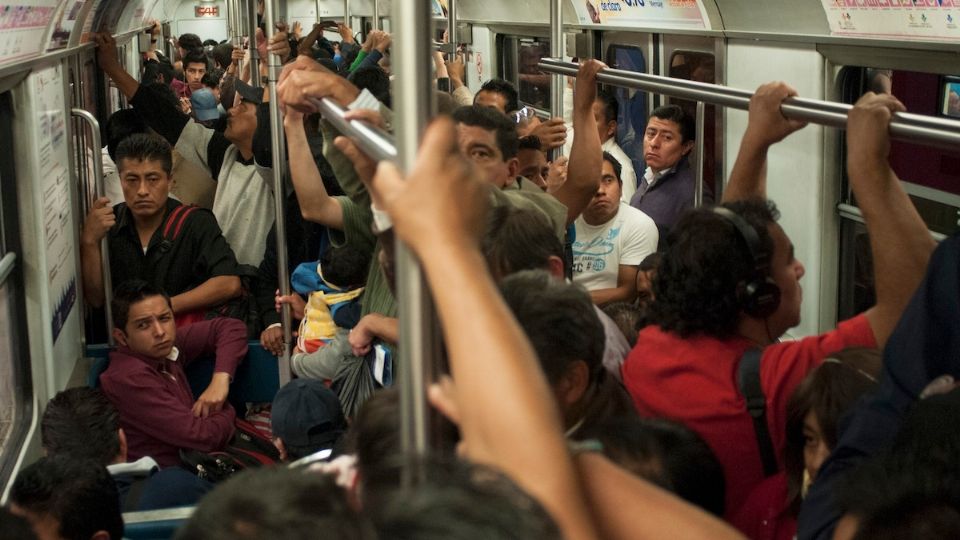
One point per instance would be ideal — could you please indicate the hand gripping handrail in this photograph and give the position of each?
(914, 128)
(100, 192)
(374, 142)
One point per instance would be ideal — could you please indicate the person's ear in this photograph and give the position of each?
(119, 337)
(556, 267)
(687, 147)
(573, 385)
(513, 165)
(100, 535)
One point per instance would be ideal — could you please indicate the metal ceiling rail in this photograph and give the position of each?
(374, 142)
(914, 128)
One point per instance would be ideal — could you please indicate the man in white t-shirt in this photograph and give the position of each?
(612, 239)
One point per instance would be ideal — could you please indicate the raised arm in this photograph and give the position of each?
(899, 240)
(436, 212)
(315, 203)
(586, 156)
(107, 58)
(765, 127)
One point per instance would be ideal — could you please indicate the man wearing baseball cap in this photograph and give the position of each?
(305, 418)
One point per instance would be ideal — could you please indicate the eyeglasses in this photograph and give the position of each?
(523, 115)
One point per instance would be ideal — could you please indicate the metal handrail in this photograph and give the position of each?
(698, 187)
(914, 128)
(557, 82)
(376, 15)
(100, 192)
(374, 142)
(280, 226)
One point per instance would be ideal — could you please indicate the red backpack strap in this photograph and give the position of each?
(175, 221)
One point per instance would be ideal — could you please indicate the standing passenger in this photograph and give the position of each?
(605, 109)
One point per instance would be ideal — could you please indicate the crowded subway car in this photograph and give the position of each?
(628, 269)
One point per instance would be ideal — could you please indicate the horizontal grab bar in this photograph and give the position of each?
(372, 140)
(914, 128)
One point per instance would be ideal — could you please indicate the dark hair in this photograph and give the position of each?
(164, 92)
(223, 55)
(611, 107)
(275, 502)
(530, 142)
(195, 56)
(505, 89)
(128, 293)
(617, 168)
(651, 261)
(211, 79)
(828, 391)
(559, 319)
(15, 527)
(145, 147)
(463, 501)
(121, 125)
(912, 490)
(518, 239)
(491, 120)
(374, 79)
(209, 43)
(345, 266)
(666, 453)
(78, 493)
(628, 318)
(676, 114)
(81, 423)
(374, 435)
(697, 280)
(189, 42)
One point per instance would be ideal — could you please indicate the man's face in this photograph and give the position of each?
(491, 99)
(145, 186)
(605, 129)
(786, 271)
(194, 72)
(480, 146)
(533, 166)
(150, 329)
(241, 122)
(606, 201)
(662, 144)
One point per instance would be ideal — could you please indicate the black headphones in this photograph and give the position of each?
(759, 296)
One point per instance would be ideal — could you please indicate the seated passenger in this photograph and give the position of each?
(605, 109)
(612, 239)
(154, 238)
(80, 423)
(813, 416)
(305, 418)
(665, 453)
(667, 187)
(563, 327)
(243, 204)
(729, 284)
(145, 380)
(66, 498)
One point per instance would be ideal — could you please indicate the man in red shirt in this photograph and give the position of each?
(146, 382)
(719, 293)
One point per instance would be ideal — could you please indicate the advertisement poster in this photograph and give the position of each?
(687, 14)
(66, 20)
(23, 27)
(53, 153)
(908, 19)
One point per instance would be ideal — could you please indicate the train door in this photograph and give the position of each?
(930, 176)
(631, 51)
(700, 59)
(520, 55)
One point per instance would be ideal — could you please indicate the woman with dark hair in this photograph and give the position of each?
(813, 412)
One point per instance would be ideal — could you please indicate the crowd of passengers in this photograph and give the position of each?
(616, 368)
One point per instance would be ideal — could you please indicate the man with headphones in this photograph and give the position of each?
(728, 287)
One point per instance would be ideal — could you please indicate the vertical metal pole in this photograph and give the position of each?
(252, 33)
(419, 335)
(558, 82)
(346, 12)
(376, 14)
(235, 32)
(277, 148)
(698, 187)
(452, 26)
(94, 126)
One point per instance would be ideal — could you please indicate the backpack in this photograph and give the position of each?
(748, 382)
(248, 449)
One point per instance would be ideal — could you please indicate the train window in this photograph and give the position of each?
(632, 117)
(700, 67)
(15, 389)
(931, 176)
(520, 58)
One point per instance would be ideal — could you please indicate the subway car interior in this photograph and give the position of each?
(704, 57)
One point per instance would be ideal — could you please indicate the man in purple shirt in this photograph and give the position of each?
(146, 382)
